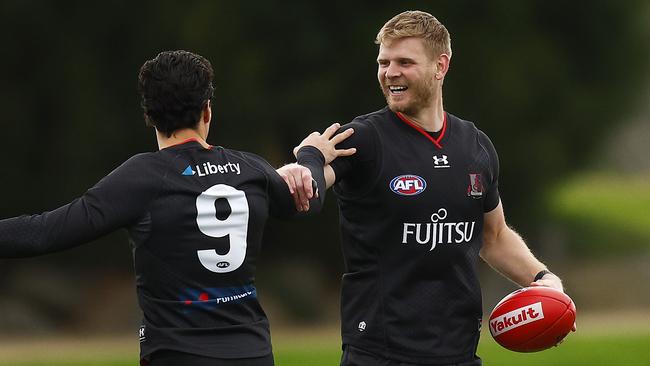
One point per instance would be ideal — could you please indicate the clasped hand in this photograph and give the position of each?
(299, 178)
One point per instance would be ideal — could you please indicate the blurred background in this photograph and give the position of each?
(562, 89)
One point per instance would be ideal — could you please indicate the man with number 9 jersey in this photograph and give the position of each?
(195, 215)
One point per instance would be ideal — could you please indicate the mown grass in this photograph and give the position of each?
(605, 213)
(605, 350)
(578, 350)
(623, 348)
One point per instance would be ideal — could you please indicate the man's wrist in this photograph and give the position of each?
(541, 274)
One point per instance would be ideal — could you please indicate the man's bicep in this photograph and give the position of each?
(492, 195)
(493, 223)
(123, 196)
(118, 200)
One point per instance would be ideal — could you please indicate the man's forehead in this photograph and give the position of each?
(409, 47)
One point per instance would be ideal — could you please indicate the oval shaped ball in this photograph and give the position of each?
(532, 319)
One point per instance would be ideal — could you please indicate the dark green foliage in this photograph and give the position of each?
(547, 80)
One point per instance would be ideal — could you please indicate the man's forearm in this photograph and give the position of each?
(508, 254)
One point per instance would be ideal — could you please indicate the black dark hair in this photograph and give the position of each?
(175, 86)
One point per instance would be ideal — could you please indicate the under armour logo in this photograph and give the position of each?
(141, 334)
(441, 162)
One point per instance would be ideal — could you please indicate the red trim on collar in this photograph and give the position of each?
(423, 132)
(191, 139)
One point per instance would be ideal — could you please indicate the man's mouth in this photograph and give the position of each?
(397, 89)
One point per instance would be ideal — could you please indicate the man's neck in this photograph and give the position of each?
(178, 137)
(430, 118)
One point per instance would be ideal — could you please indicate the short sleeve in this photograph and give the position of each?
(354, 169)
(492, 198)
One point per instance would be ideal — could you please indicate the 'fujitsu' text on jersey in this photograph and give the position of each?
(436, 232)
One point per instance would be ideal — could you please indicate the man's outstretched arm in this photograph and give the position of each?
(116, 201)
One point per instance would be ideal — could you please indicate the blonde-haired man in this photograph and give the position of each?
(419, 204)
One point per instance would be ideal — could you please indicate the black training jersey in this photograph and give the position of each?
(411, 216)
(195, 218)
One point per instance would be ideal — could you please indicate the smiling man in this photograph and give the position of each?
(419, 204)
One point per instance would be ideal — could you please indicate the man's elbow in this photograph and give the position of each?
(491, 240)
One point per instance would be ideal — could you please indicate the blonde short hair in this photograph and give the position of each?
(415, 23)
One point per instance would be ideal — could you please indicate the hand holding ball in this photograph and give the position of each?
(532, 319)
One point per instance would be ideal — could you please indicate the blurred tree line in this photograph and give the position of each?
(546, 80)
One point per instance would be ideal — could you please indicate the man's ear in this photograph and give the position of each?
(442, 66)
(207, 112)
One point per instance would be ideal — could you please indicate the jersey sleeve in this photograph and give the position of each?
(313, 159)
(280, 200)
(281, 203)
(355, 169)
(116, 201)
(492, 197)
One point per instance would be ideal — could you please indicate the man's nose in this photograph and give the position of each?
(392, 71)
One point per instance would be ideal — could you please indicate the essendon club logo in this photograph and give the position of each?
(475, 188)
(408, 185)
(516, 318)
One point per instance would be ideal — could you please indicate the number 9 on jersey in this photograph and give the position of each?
(235, 226)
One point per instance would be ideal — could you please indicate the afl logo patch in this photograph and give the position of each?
(408, 185)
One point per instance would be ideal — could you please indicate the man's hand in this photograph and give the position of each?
(553, 281)
(327, 144)
(299, 180)
(549, 280)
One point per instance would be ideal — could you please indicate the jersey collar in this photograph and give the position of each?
(435, 141)
(191, 139)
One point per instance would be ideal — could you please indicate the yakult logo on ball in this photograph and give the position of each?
(516, 318)
(408, 185)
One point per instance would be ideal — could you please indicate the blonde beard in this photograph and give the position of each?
(422, 97)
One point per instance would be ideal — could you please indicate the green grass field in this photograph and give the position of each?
(321, 348)
(619, 215)
(578, 350)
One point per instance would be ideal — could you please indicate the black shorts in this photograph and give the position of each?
(174, 358)
(353, 356)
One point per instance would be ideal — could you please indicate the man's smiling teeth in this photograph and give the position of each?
(397, 89)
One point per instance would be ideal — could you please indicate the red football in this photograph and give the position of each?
(532, 319)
